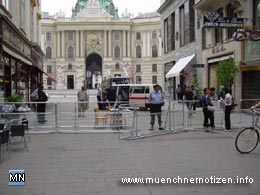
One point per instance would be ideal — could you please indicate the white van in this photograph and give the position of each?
(136, 94)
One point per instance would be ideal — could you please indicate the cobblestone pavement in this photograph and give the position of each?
(82, 164)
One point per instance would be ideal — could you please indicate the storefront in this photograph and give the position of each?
(16, 65)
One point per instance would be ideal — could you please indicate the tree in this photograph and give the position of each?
(226, 71)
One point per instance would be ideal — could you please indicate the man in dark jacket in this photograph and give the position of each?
(208, 115)
(41, 105)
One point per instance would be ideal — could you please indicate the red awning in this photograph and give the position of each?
(41, 70)
(52, 78)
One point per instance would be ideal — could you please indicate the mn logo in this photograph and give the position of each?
(16, 177)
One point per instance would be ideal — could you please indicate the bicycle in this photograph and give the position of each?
(248, 138)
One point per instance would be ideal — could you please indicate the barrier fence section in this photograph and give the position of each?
(128, 120)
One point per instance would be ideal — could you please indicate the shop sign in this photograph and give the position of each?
(251, 35)
(213, 19)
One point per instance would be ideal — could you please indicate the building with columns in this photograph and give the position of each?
(95, 44)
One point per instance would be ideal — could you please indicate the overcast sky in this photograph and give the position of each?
(134, 6)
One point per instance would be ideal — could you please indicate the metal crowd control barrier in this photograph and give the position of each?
(127, 120)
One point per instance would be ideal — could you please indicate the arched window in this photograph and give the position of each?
(70, 52)
(117, 66)
(48, 53)
(154, 51)
(138, 52)
(117, 52)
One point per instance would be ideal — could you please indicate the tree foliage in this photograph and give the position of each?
(226, 71)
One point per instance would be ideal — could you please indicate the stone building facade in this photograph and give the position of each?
(184, 33)
(21, 58)
(95, 44)
(181, 37)
(222, 43)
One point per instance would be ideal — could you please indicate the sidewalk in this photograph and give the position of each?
(82, 164)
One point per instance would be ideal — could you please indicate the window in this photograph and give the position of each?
(138, 52)
(5, 3)
(187, 23)
(256, 18)
(49, 81)
(138, 80)
(138, 89)
(117, 52)
(166, 35)
(219, 31)
(48, 36)
(138, 36)
(69, 66)
(154, 79)
(154, 67)
(154, 34)
(172, 32)
(181, 11)
(70, 35)
(138, 68)
(70, 52)
(154, 51)
(117, 66)
(191, 24)
(117, 35)
(231, 14)
(48, 53)
(48, 68)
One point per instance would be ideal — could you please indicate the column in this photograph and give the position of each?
(77, 43)
(144, 48)
(109, 43)
(105, 43)
(63, 48)
(58, 44)
(124, 43)
(128, 43)
(148, 44)
(82, 44)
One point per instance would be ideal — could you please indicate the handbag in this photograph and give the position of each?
(211, 108)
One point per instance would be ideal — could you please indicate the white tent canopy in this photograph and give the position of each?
(179, 66)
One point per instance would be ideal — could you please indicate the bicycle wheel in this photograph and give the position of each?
(247, 140)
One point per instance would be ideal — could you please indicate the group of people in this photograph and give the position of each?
(106, 96)
(210, 98)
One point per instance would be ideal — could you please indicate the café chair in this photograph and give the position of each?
(19, 131)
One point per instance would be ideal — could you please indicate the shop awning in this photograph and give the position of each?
(16, 55)
(179, 66)
(48, 75)
(52, 78)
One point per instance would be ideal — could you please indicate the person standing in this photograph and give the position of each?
(179, 92)
(156, 101)
(99, 95)
(82, 98)
(228, 107)
(208, 115)
(188, 97)
(214, 97)
(41, 105)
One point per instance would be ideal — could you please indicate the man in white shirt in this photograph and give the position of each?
(156, 100)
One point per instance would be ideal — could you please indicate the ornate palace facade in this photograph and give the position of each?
(95, 44)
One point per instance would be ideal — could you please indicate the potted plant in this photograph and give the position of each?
(15, 98)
